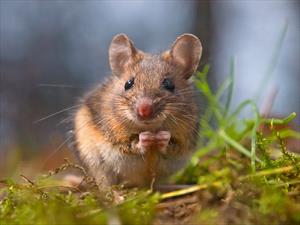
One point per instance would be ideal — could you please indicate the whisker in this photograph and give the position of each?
(183, 123)
(68, 119)
(56, 113)
(60, 86)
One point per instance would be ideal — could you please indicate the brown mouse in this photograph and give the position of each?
(141, 124)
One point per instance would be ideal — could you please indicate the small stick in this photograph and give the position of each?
(196, 188)
(27, 180)
(268, 172)
(60, 186)
(189, 190)
(43, 194)
(89, 213)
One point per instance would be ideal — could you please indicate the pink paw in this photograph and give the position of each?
(148, 140)
(163, 138)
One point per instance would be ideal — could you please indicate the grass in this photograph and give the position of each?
(242, 173)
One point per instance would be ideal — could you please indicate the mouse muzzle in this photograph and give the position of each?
(145, 108)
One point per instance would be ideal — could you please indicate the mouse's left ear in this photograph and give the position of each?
(185, 53)
(121, 53)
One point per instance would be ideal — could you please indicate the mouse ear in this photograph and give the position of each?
(121, 53)
(186, 53)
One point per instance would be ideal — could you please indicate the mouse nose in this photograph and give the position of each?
(145, 108)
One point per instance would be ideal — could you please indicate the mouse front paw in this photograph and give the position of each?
(146, 141)
(149, 140)
(163, 139)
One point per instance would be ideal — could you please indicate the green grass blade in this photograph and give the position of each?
(231, 86)
(255, 126)
(273, 63)
(235, 144)
(283, 121)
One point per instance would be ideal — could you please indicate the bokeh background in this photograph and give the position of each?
(51, 52)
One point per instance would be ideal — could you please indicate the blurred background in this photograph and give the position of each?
(51, 52)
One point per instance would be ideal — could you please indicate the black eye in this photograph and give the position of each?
(168, 84)
(129, 84)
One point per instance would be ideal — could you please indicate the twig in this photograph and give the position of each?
(268, 172)
(27, 180)
(5, 182)
(196, 188)
(65, 166)
(89, 213)
(181, 201)
(189, 190)
(43, 194)
(60, 186)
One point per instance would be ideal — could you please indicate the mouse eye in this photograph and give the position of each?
(129, 84)
(168, 84)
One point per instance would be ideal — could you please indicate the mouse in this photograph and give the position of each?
(140, 125)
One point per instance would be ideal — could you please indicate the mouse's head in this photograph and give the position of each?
(153, 90)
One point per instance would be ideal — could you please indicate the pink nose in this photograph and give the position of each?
(145, 108)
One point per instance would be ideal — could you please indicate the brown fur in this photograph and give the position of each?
(107, 128)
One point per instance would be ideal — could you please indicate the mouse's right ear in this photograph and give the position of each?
(121, 53)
